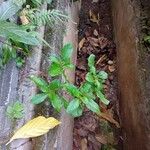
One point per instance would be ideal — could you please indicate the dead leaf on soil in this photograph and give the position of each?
(103, 42)
(84, 144)
(95, 32)
(35, 127)
(109, 117)
(81, 43)
(23, 17)
(93, 17)
(101, 138)
(101, 59)
(111, 68)
(93, 41)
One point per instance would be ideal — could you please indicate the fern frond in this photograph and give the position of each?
(19, 2)
(40, 2)
(43, 17)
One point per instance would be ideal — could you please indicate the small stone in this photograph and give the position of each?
(110, 62)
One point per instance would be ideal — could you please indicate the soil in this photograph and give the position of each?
(96, 37)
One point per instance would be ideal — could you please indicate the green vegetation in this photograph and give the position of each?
(17, 39)
(15, 111)
(83, 96)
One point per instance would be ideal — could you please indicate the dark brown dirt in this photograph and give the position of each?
(95, 36)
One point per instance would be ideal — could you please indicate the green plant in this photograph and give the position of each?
(39, 18)
(15, 111)
(83, 96)
(147, 39)
(96, 79)
(17, 39)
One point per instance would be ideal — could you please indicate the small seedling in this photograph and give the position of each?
(83, 96)
(15, 111)
(96, 79)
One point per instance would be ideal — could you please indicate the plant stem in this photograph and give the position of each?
(65, 77)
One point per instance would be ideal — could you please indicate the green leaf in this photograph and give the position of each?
(54, 59)
(91, 63)
(18, 106)
(17, 33)
(69, 66)
(89, 77)
(55, 69)
(77, 112)
(73, 105)
(91, 105)
(42, 84)
(91, 60)
(39, 98)
(102, 97)
(66, 51)
(73, 90)
(8, 9)
(85, 87)
(49, 1)
(103, 75)
(56, 101)
(65, 102)
(55, 85)
(15, 111)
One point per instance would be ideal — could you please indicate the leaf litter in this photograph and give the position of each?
(93, 132)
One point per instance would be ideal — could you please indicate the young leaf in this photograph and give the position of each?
(86, 87)
(56, 101)
(66, 51)
(91, 60)
(35, 127)
(102, 97)
(77, 112)
(55, 85)
(91, 105)
(73, 105)
(54, 59)
(42, 84)
(55, 69)
(15, 111)
(73, 90)
(39, 98)
(89, 77)
(103, 75)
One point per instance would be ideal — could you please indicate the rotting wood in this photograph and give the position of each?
(133, 81)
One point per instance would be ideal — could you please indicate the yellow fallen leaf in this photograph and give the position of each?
(35, 127)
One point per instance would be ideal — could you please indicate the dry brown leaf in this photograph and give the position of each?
(24, 20)
(101, 138)
(101, 59)
(95, 32)
(23, 17)
(109, 117)
(84, 144)
(93, 17)
(81, 43)
(93, 41)
(111, 68)
(35, 127)
(103, 42)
